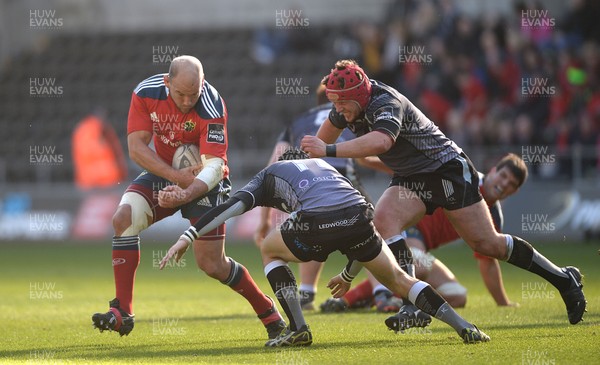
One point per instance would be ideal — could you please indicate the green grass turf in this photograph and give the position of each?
(49, 292)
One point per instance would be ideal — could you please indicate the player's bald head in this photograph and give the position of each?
(187, 69)
(185, 82)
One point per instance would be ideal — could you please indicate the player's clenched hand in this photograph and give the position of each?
(338, 286)
(172, 196)
(185, 177)
(313, 145)
(177, 250)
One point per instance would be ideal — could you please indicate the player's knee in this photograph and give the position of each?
(216, 269)
(384, 221)
(454, 293)
(489, 247)
(457, 301)
(121, 220)
(132, 216)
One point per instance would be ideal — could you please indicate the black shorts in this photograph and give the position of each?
(313, 236)
(453, 186)
(148, 185)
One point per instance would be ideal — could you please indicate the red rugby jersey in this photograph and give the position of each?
(152, 109)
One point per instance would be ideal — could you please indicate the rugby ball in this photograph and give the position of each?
(186, 155)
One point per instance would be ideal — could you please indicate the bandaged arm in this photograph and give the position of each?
(213, 169)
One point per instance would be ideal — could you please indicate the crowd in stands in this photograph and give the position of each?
(529, 78)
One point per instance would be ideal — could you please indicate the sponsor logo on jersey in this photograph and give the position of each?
(340, 223)
(362, 243)
(325, 178)
(216, 133)
(386, 113)
(300, 245)
(303, 184)
(448, 190)
(204, 202)
(189, 125)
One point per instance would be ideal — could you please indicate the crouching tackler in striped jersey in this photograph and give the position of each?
(326, 214)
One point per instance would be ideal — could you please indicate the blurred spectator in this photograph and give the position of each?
(97, 154)
(290, 33)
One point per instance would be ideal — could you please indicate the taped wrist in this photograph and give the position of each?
(190, 235)
(331, 150)
(212, 171)
(350, 271)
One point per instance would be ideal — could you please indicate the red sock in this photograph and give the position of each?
(362, 291)
(126, 258)
(241, 281)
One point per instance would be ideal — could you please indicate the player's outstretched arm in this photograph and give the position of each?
(315, 146)
(340, 284)
(328, 132)
(492, 277)
(209, 221)
(178, 250)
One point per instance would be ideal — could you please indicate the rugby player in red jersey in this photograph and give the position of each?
(435, 230)
(172, 109)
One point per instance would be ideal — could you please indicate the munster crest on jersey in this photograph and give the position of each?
(189, 125)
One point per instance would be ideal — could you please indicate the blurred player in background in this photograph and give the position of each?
(317, 197)
(435, 230)
(430, 172)
(308, 124)
(172, 109)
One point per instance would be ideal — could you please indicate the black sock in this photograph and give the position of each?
(403, 254)
(283, 284)
(432, 303)
(523, 255)
(429, 301)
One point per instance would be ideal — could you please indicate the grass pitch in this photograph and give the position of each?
(49, 292)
